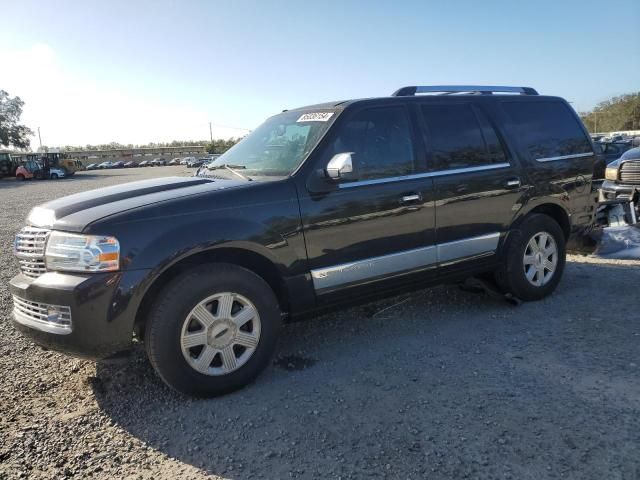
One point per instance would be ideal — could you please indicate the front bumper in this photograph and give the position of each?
(616, 191)
(85, 315)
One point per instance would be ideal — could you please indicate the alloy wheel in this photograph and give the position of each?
(540, 259)
(220, 334)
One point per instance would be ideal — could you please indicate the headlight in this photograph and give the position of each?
(611, 172)
(82, 253)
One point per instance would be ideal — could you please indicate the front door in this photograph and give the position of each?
(379, 223)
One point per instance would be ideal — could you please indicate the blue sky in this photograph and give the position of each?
(139, 71)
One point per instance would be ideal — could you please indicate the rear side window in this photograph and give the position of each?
(547, 129)
(460, 137)
(380, 142)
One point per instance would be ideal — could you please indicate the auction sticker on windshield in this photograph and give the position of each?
(315, 117)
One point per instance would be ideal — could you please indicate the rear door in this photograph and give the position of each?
(477, 184)
(558, 152)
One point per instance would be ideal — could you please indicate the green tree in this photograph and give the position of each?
(220, 146)
(614, 114)
(11, 132)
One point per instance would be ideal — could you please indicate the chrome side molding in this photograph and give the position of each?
(385, 265)
(437, 173)
(565, 157)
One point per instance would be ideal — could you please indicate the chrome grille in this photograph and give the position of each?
(29, 248)
(630, 172)
(42, 316)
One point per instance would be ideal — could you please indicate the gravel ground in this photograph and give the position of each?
(440, 383)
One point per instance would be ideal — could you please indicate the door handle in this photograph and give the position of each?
(513, 183)
(414, 197)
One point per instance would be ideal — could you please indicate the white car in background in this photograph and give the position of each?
(55, 173)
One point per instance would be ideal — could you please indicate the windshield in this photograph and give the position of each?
(279, 145)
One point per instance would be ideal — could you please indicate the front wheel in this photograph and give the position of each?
(212, 330)
(534, 258)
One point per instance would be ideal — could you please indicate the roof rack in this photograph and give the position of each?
(452, 89)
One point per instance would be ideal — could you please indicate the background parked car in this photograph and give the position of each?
(92, 166)
(158, 162)
(613, 150)
(175, 161)
(145, 163)
(186, 160)
(130, 164)
(197, 162)
(55, 173)
(105, 165)
(117, 164)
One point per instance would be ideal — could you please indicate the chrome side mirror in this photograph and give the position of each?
(340, 166)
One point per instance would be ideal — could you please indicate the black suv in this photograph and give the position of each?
(317, 208)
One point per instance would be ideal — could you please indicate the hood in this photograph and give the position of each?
(75, 212)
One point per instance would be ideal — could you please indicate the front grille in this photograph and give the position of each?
(630, 172)
(42, 316)
(29, 248)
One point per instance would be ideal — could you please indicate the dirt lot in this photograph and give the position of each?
(440, 383)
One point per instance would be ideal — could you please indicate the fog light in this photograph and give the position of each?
(53, 314)
(42, 316)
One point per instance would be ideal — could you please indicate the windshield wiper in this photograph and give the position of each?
(236, 172)
(232, 168)
(225, 165)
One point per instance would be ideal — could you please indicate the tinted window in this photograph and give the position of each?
(611, 149)
(460, 138)
(380, 140)
(547, 129)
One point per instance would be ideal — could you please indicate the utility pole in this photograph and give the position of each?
(39, 138)
(210, 133)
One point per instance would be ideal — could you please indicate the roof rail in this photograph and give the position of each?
(451, 89)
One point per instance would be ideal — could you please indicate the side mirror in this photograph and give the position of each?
(340, 166)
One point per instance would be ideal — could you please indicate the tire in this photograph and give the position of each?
(176, 314)
(54, 176)
(512, 276)
(20, 177)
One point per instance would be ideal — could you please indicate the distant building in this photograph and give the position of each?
(136, 154)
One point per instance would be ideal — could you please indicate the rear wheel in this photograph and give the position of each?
(534, 258)
(212, 330)
(20, 177)
(53, 176)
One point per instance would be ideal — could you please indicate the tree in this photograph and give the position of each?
(11, 132)
(221, 146)
(615, 114)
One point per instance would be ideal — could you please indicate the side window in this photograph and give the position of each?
(547, 129)
(457, 138)
(612, 149)
(380, 140)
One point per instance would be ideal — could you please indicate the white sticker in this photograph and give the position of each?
(315, 117)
